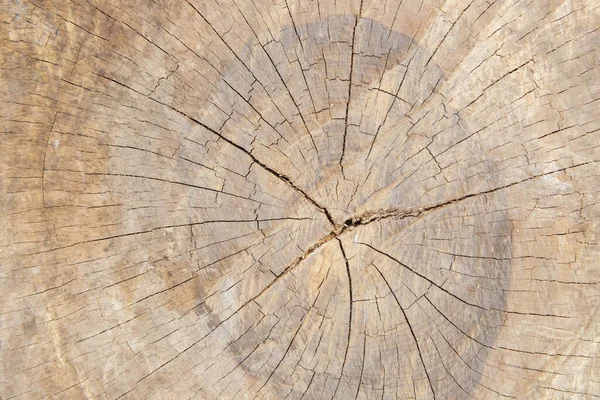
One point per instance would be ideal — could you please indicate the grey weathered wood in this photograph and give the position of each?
(299, 199)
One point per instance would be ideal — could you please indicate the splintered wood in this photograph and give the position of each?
(295, 199)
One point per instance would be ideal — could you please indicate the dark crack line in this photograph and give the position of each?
(274, 64)
(421, 276)
(350, 86)
(349, 315)
(250, 71)
(454, 325)
(286, 351)
(446, 368)
(270, 170)
(287, 270)
(362, 368)
(401, 213)
(396, 96)
(265, 167)
(409, 327)
(363, 219)
(152, 178)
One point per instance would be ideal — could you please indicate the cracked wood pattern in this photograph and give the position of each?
(298, 199)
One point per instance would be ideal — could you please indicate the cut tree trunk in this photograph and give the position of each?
(299, 199)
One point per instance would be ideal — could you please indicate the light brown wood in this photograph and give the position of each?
(300, 200)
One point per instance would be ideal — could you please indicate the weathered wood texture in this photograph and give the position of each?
(299, 199)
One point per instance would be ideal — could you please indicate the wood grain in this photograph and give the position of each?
(299, 199)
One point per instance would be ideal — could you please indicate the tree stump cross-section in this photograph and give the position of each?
(300, 199)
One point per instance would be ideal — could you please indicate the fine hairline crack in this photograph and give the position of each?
(394, 213)
(363, 219)
(255, 160)
(282, 177)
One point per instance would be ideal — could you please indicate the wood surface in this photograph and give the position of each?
(236, 199)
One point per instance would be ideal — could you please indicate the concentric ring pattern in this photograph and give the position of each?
(301, 200)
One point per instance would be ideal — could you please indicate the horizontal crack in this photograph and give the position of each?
(277, 174)
(396, 213)
(400, 213)
(365, 219)
(270, 170)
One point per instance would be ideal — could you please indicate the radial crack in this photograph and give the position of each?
(270, 170)
(409, 327)
(349, 314)
(350, 87)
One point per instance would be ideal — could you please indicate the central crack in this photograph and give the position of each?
(352, 222)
